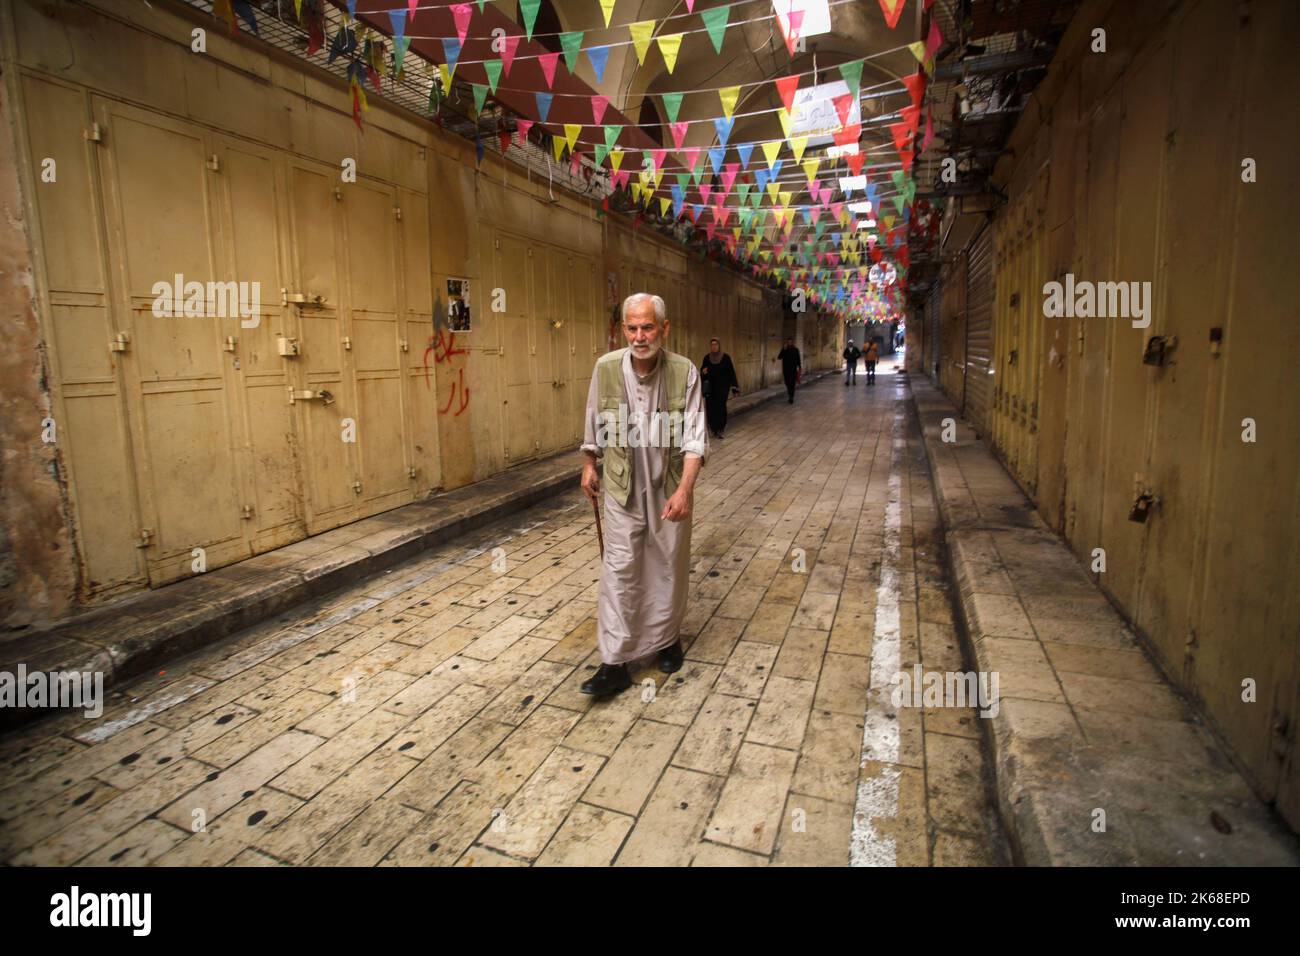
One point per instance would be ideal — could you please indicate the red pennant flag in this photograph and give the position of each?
(505, 140)
(843, 104)
(786, 86)
(906, 155)
(911, 115)
(848, 135)
(902, 254)
(934, 40)
(892, 10)
(902, 134)
(521, 127)
(915, 87)
(855, 161)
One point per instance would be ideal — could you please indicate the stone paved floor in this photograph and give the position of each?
(431, 715)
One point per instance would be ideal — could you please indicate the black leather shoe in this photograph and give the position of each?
(670, 658)
(608, 679)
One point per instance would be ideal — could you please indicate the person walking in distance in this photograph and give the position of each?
(791, 366)
(718, 381)
(870, 357)
(851, 355)
(645, 419)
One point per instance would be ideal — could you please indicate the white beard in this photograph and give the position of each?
(651, 350)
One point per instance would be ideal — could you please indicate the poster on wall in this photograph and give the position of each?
(458, 318)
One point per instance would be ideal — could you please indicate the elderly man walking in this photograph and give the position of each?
(645, 419)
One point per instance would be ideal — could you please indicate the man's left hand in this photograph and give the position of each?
(679, 506)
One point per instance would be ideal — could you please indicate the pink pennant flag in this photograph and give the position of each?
(791, 34)
(729, 172)
(508, 46)
(621, 177)
(679, 132)
(934, 40)
(410, 11)
(658, 156)
(835, 258)
(835, 209)
(692, 157)
(575, 162)
(547, 62)
(708, 230)
(826, 195)
(523, 125)
(815, 213)
(690, 6)
(705, 190)
(461, 13)
(598, 104)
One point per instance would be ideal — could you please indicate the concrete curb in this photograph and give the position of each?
(1086, 721)
(141, 632)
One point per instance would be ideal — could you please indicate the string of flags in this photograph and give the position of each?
(822, 242)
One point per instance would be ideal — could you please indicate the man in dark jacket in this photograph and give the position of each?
(851, 355)
(718, 380)
(791, 365)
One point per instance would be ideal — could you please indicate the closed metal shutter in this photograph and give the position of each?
(932, 334)
(979, 332)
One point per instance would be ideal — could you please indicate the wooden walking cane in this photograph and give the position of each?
(600, 538)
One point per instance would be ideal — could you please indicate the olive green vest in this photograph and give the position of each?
(618, 464)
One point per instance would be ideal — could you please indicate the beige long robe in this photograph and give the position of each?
(646, 573)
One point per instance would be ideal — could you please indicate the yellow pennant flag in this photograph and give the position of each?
(659, 176)
(669, 46)
(664, 205)
(446, 78)
(641, 32)
(607, 8)
(735, 231)
(636, 192)
(615, 159)
(771, 191)
(844, 217)
(889, 222)
(784, 117)
(797, 146)
(785, 198)
(918, 51)
(557, 147)
(810, 168)
(729, 95)
(571, 131)
(770, 151)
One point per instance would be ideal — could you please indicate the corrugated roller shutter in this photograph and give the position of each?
(932, 334)
(979, 332)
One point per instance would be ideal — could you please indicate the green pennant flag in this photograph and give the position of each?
(529, 10)
(571, 43)
(743, 190)
(852, 74)
(480, 95)
(683, 179)
(716, 22)
(611, 135)
(493, 70)
(672, 103)
(601, 151)
(697, 173)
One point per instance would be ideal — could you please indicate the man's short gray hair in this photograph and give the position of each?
(636, 298)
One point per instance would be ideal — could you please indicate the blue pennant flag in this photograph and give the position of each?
(451, 50)
(679, 199)
(760, 177)
(715, 157)
(543, 105)
(398, 19)
(776, 169)
(744, 153)
(723, 125)
(598, 55)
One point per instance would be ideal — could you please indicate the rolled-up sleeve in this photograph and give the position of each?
(590, 423)
(695, 433)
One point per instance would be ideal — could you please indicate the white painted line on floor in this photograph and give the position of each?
(878, 795)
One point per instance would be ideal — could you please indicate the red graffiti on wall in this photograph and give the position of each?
(443, 348)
